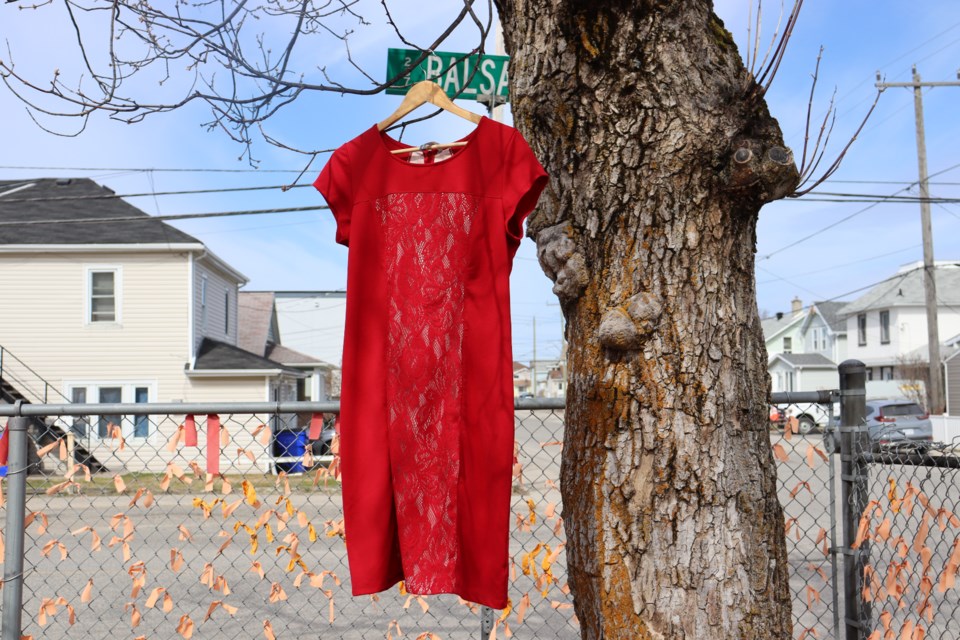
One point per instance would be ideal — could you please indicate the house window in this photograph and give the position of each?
(884, 327)
(226, 312)
(788, 345)
(862, 329)
(203, 302)
(886, 373)
(819, 339)
(102, 298)
(789, 381)
(105, 423)
(136, 426)
(79, 396)
(869, 373)
(141, 424)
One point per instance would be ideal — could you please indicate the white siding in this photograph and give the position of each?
(817, 379)
(43, 320)
(212, 315)
(953, 385)
(908, 332)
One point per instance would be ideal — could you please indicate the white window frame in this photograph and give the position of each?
(117, 271)
(128, 391)
(203, 302)
(884, 326)
(819, 338)
(788, 344)
(861, 330)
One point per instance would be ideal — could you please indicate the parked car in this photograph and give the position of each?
(810, 416)
(891, 424)
(323, 447)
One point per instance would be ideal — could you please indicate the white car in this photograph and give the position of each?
(809, 415)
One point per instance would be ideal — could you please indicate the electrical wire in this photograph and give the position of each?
(146, 218)
(852, 215)
(115, 196)
(163, 170)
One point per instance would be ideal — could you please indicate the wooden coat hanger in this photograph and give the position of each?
(419, 94)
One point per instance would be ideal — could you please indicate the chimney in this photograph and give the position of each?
(796, 306)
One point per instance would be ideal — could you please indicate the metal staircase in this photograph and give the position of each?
(18, 382)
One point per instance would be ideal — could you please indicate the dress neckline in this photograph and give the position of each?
(388, 143)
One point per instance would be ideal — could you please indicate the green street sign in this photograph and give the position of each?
(489, 73)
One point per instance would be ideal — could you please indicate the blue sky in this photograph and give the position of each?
(296, 250)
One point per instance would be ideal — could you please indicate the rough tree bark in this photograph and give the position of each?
(661, 152)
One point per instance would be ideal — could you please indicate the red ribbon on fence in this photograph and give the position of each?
(213, 444)
(316, 426)
(213, 439)
(4, 446)
(190, 432)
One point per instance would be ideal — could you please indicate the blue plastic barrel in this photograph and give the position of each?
(3, 471)
(290, 444)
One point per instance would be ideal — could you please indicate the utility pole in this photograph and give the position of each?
(533, 363)
(935, 395)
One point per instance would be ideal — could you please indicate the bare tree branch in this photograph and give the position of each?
(234, 61)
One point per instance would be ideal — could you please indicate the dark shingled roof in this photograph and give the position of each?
(831, 315)
(807, 359)
(214, 354)
(905, 289)
(77, 199)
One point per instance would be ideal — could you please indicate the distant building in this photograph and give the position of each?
(888, 326)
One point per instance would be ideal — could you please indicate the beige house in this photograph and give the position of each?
(125, 310)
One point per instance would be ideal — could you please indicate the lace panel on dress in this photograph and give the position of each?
(425, 260)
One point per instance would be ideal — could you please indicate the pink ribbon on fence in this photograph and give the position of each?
(316, 426)
(213, 444)
(4, 446)
(213, 439)
(190, 432)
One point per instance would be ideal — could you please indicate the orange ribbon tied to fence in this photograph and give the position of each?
(213, 440)
(316, 426)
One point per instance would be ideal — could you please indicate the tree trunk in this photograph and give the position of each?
(661, 152)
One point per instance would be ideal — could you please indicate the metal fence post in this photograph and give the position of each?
(853, 483)
(486, 622)
(14, 529)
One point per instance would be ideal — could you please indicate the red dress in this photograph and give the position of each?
(427, 389)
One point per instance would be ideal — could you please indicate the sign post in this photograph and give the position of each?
(474, 77)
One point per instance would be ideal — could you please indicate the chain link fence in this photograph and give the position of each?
(907, 542)
(154, 546)
(807, 474)
(127, 532)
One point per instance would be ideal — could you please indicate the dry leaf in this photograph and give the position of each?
(920, 541)
(87, 594)
(780, 453)
(154, 596)
(42, 451)
(268, 630)
(185, 627)
(522, 607)
(277, 593)
(119, 484)
(176, 560)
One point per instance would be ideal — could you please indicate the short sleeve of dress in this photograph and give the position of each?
(335, 186)
(524, 179)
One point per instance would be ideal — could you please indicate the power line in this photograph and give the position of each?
(845, 218)
(115, 196)
(162, 170)
(845, 264)
(181, 216)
